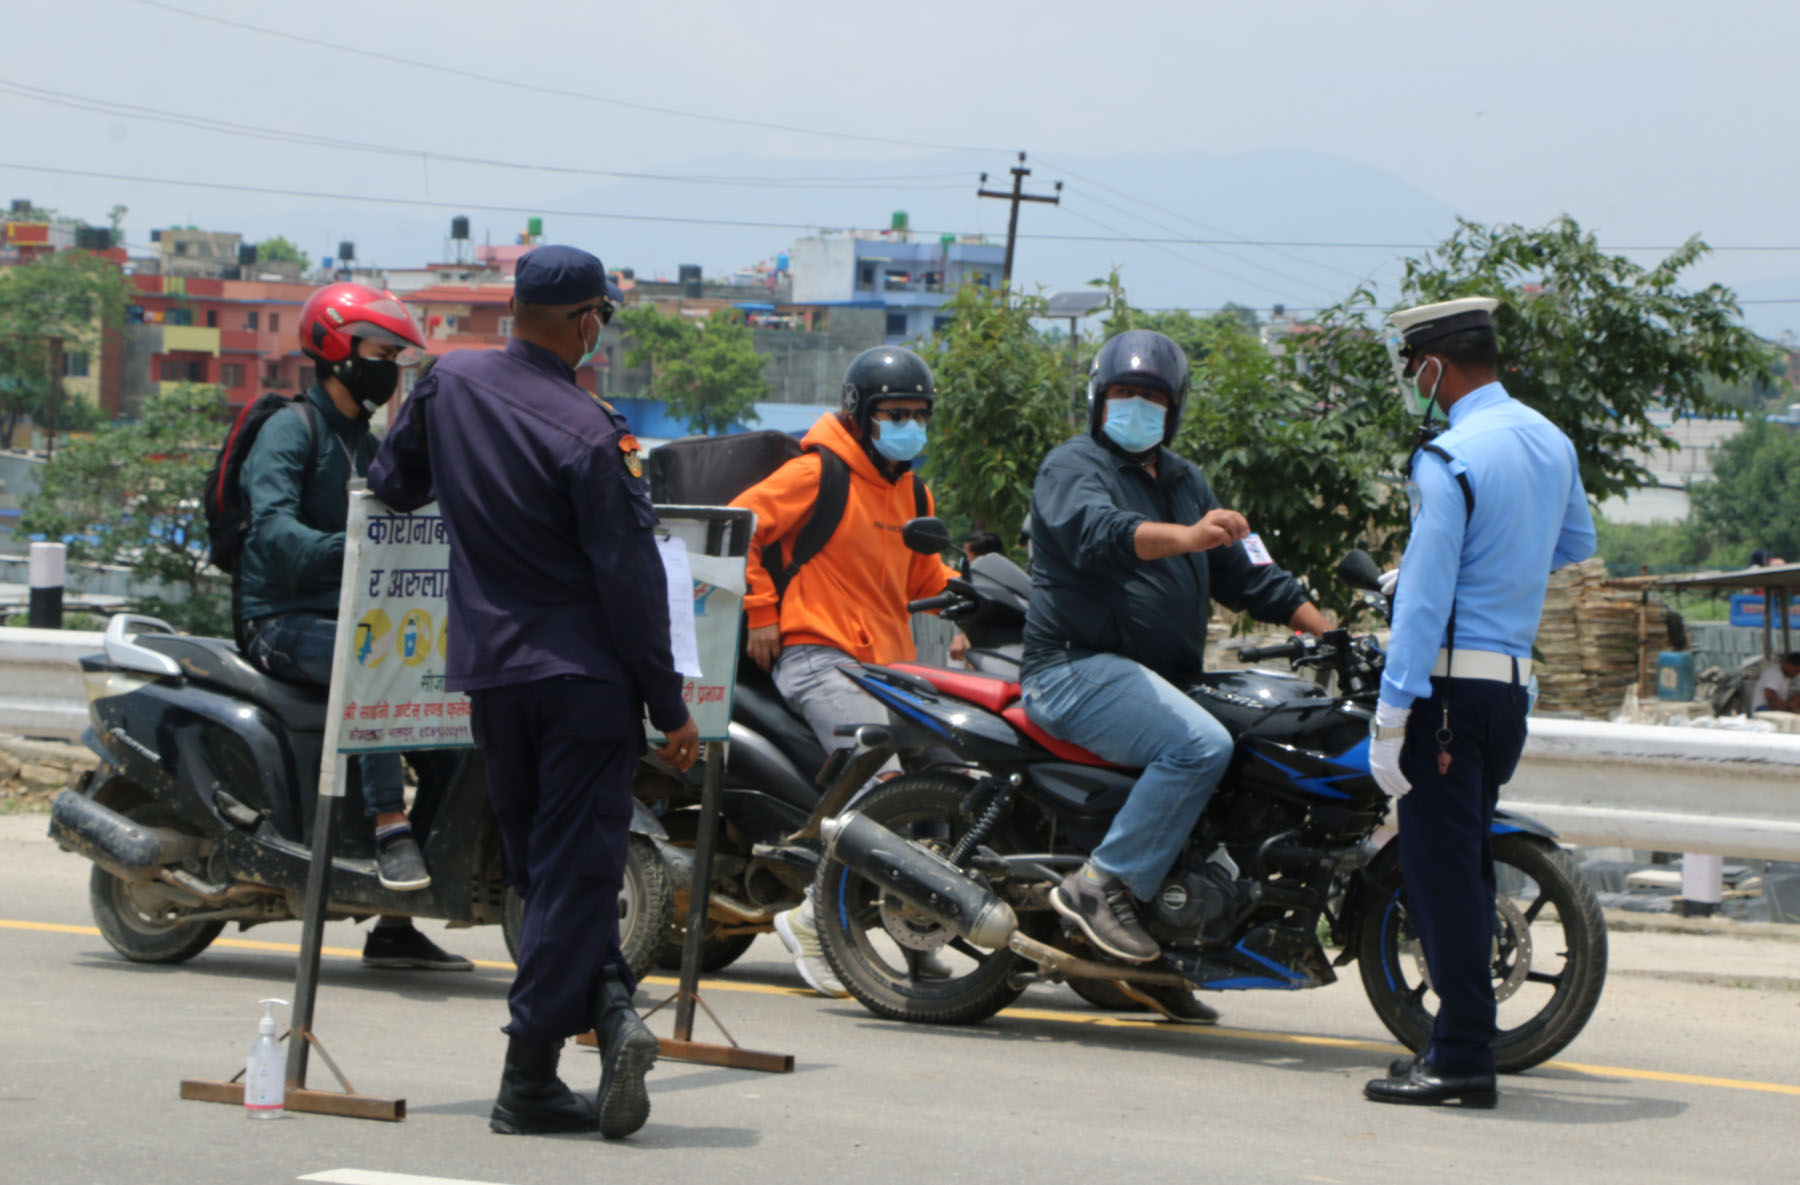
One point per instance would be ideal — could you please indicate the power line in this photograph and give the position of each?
(425, 202)
(1292, 279)
(226, 127)
(557, 92)
(1205, 226)
(1191, 262)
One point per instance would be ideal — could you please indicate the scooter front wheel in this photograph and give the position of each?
(140, 919)
(646, 908)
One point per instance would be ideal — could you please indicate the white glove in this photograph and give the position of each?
(1388, 580)
(1384, 754)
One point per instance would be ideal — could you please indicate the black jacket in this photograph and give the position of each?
(1090, 593)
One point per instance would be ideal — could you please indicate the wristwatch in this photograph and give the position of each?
(1377, 732)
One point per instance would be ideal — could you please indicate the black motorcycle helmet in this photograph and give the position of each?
(885, 372)
(1142, 358)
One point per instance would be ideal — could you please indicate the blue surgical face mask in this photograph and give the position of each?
(1134, 424)
(900, 442)
(588, 352)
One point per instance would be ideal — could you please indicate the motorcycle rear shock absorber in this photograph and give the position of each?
(999, 798)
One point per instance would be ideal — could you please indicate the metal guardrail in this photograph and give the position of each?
(1625, 785)
(40, 685)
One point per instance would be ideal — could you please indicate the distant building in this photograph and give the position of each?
(908, 281)
(242, 335)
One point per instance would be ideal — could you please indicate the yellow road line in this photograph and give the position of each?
(1263, 1036)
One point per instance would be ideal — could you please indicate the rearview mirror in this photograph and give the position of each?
(1359, 571)
(927, 536)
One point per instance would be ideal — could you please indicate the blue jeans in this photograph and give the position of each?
(1128, 714)
(297, 647)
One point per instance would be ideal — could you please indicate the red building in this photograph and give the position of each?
(242, 335)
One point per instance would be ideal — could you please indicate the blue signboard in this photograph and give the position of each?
(1747, 609)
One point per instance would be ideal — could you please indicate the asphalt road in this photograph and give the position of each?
(1689, 1071)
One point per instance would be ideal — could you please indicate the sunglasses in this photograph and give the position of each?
(604, 308)
(899, 415)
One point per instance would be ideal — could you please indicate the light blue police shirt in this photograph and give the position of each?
(1531, 517)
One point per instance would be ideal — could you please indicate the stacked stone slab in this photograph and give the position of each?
(1587, 641)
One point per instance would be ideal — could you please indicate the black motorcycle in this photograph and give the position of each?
(776, 774)
(200, 812)
(1284, 865)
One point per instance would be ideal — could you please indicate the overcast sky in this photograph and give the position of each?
(1350, 121)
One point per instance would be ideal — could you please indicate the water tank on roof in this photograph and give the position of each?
(246, 254)
(534, 226)
(690, 280)
(459, 227)
(899, 222)
(346, 251)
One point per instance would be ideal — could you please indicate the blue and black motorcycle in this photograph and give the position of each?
(1286, 865)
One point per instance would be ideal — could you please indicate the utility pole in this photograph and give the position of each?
(1018, 194)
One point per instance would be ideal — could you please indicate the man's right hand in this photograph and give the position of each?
(1218, 528)
(682, 746)
(764, 645)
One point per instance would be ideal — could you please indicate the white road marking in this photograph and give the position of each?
(374, 1177)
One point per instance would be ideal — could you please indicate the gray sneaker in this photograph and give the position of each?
(1102, 906)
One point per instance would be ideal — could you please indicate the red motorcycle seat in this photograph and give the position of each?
(984, 691)
(1016, 717)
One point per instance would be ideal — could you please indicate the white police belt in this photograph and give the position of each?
(1482, 664)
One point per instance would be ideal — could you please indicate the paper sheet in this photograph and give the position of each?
(682, 641)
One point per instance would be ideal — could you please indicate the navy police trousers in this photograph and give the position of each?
(560, 755)
(1447, 855)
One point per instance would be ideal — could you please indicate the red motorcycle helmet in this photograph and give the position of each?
(337, 315)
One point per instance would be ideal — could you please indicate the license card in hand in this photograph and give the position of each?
(1259, 555)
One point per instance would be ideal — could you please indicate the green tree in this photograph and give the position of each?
(279, 250)
(131, 495)
(1595, 341)
(708, 372)
(1749, 503)
(1300, 442)
(1002, 398)
(56, 303)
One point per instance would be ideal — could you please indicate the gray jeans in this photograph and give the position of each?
(809, 680)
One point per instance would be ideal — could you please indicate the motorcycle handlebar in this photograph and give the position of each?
(1293, 649)
(930, 604)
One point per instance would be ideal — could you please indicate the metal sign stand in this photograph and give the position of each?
(727, 532)
(301, 1039)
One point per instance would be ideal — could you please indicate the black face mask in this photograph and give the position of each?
(370, 381)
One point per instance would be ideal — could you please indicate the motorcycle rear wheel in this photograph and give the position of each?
(133, 917)
(1549, 961)
(862, 945)
(646, 908)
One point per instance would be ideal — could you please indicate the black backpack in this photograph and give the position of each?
(226, 506)
(712, 470)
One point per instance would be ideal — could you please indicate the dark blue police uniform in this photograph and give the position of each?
(559, 632)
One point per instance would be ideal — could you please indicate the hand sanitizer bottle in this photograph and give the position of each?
(265, 1069)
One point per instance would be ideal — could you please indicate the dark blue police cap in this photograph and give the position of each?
(562, 275)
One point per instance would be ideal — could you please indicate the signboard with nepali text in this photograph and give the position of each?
(393, 640)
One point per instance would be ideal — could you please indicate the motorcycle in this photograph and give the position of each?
(777, 773)
(1286, 860)
(200, 812)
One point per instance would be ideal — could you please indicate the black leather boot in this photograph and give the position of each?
(533, 1100)
(627, 1051)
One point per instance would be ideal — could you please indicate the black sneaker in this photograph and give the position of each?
(405, 946)
(400, 864)
(1102, 906)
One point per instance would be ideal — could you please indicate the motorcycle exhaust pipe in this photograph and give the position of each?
(922, 878)
(128, 850)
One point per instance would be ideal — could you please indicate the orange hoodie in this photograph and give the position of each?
(852, 595)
